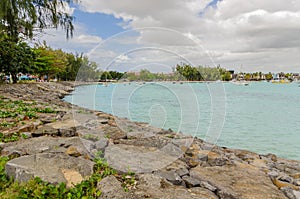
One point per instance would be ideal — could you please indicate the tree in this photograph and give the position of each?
(226, 76)
(23, 17)
(72, 67)
(50, 62)
(116, 75)
(247, 77)
(88, 70)
(189, 72)
(15, 58)
(269, 76)
(105, 76)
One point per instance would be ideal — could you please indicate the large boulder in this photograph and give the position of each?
(152, 186)
(239, 181)
(45, 145)
(111, 188)
(53, 168)
(140, 159)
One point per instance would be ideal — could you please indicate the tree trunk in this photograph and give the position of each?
(14, 78)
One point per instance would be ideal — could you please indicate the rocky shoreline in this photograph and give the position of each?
(60, 147)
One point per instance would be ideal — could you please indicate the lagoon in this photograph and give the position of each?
(262, 117)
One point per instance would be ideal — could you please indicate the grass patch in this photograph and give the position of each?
(12, 112)
(12, 137)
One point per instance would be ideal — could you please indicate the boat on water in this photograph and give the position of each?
(241, 83)
(280, 81)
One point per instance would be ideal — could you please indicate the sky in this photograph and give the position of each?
(131, 35)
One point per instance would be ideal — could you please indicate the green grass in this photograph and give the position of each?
(9, 138)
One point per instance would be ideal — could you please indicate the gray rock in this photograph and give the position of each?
(208, 186)
(44, 145)
(237, 181)
(203, 157)
(288, 192)
(182, 172)
(221, 161)
(184, 142)
(171, 176)
(47, 120)
(67, 132)
(172, 150)
(111, 188)
(273, 174)
(114, 133)
(152, 186)
(45, 130)
(47, 166)
(297, 194)
(137, 158)
(191, 182)
(280, 166)
(101, 144)
(89, 145)
(200, 192)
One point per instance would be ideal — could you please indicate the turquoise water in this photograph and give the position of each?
(262, 117)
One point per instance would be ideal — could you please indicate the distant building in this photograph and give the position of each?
(232, 75)
(295, 76)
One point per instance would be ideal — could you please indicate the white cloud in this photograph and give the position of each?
(82, 41)
(260, 35)
(122, 59)
(87, 39)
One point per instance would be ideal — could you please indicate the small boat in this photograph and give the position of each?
(280, 81)
(242, 83)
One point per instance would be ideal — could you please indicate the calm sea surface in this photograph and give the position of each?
(262, 117)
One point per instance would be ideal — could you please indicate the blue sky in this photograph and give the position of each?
(258, 35)
(106, 25)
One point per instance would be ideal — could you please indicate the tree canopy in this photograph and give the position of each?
(15, 58)
(20, 18)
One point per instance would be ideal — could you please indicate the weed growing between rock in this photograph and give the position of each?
(36, 188)
(13, 113)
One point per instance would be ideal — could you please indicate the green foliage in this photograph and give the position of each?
(79, 68)
(36, 188)
(189, 72)
(91, 137)
(128, 180)
(20, 18)
(116, 75)
(15, 57)
(248, 76)
(226, 76)
(11, 137)
(4, 181)
(201, 73)
(12, 113)
(88, 70)
(49, 62)
(105, 76)
(269, 76)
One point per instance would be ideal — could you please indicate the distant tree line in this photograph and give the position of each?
(182, 72)
(201, 73)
